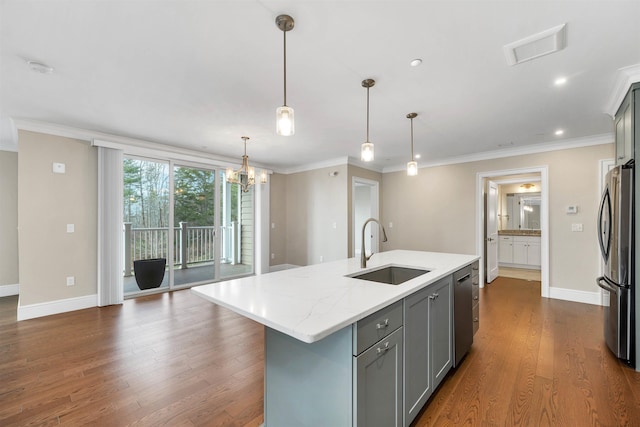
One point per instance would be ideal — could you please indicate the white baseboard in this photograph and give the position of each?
(594, 298)
(281, 267)
(8, 290)
(32, 311)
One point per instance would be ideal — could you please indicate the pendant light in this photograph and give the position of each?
(245, 177)
(366, 152)
(284, 115)
(412, 166)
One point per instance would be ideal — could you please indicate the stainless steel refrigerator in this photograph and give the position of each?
(615, 235)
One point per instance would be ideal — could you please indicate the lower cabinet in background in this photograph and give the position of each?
(378, 383)
(428, 344)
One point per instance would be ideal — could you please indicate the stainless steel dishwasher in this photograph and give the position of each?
(462, 313)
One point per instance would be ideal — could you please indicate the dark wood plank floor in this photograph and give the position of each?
(174, 359)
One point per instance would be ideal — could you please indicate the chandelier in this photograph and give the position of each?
(245, 177)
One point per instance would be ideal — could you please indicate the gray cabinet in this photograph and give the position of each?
(428, 344)
(441, 326)
(378, 383)
(377, 368)
(379, 371)
(625, 129)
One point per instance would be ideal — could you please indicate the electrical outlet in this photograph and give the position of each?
(321, 258)
(71, 281)
(576, 227)
(71, 228)
(273, 256)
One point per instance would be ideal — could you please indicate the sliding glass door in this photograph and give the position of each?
(211, 236)
(146, 224)
(194, 222)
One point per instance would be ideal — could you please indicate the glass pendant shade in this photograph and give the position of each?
(366, 152)
(412, 168)
(263, 177)
(230, 174)
(285, 125)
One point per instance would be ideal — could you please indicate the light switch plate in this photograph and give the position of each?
(572, 209)
(71, 228)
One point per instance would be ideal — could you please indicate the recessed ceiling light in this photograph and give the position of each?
(559, 132)
(560, 81)
(417, 156)
(39, 67)
(415, 62)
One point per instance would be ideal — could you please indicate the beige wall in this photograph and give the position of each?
(435, 211)
(47, 203)
(314, 218)
(278, 217)
(9, 218)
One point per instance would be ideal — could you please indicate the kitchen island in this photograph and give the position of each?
(316, 343)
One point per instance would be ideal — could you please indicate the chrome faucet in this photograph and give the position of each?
(363, 256)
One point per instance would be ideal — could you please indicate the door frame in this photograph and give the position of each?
(491, 183)
(374, 187)
(544, 218)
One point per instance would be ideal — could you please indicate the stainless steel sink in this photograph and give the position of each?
(391, 275)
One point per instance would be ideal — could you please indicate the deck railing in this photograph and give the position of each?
(192, 244)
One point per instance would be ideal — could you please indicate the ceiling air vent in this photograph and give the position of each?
(537, 45)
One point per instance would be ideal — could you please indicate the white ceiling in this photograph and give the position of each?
(200, 74)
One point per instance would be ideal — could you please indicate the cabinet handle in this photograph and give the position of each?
(433, 296)
(475, 319)
(382, 350)
(475, 297)
(383, 325)
(465, 277)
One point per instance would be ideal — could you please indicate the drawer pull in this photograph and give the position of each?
(383, 325)
(475, 319)
(382, 350)
(475, 297)
(434, 296)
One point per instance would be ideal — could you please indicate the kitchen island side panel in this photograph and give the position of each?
(308, 384)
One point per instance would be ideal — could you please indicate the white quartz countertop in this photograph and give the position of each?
(310, 303)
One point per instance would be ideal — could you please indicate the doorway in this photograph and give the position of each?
(364, 205)
(519, 177)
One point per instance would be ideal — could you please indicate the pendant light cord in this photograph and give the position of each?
(285, 68)
(367, 114)
(412, 140)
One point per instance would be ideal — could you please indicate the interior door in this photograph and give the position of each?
(491, 220)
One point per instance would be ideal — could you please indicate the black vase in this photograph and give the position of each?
(149, 272)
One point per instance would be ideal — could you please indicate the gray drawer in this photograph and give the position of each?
(378, 325)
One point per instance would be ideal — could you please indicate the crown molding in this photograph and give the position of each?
(607, 138)
(313, 166)
(131, 146)
(625, 78)
(339, 161)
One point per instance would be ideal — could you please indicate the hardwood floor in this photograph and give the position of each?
(177, 360)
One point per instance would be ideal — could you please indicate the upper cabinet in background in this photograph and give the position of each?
(626, 131)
